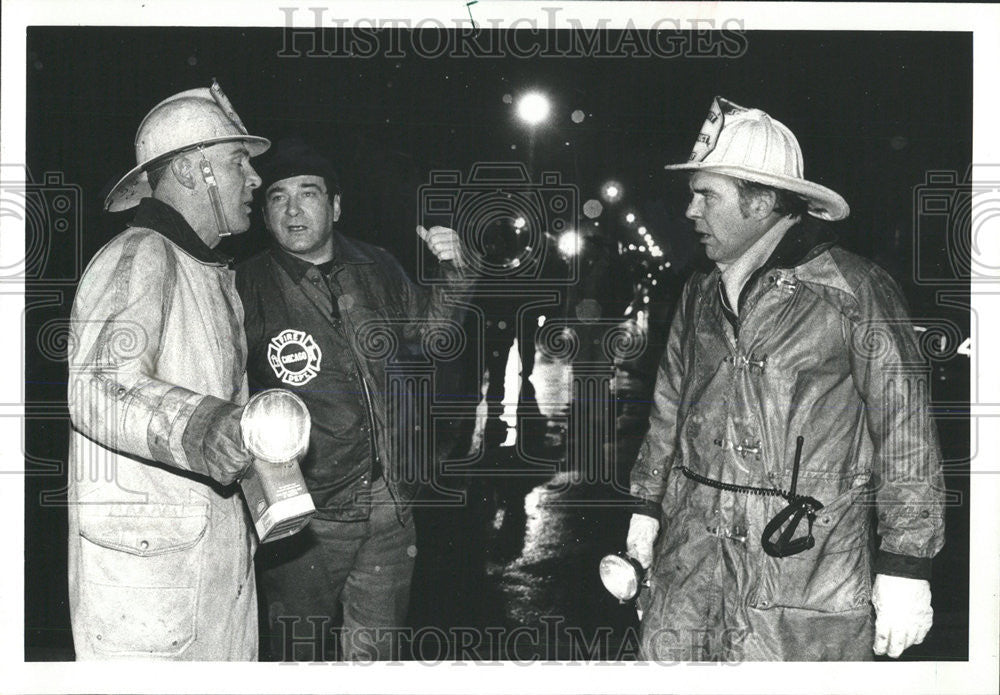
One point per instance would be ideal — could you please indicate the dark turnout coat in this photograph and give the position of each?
(822, 348)
(356, 347)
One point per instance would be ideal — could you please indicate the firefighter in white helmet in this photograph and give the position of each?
(160, 553)
(790, 426)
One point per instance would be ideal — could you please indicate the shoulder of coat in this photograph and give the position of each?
(853, 272)
(843, 277)
(254, 264)
(140, 245)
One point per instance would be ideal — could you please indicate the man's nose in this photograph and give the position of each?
(693, 211)
(293, 208)
(253, 179)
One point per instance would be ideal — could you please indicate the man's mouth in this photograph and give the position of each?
(296, 228)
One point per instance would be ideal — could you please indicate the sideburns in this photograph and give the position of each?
(743, 202)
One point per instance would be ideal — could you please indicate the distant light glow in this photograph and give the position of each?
(642, 320)
(519, 223)
(570, 243)
(593, 208)
(630, 218)
(511, 389)
(533, 108)
(612, 191)
(641, 230)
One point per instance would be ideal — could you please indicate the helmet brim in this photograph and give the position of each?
(824, 203)
(134, 185)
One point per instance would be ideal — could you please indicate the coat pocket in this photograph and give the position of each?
(141, 570)
(832, 576)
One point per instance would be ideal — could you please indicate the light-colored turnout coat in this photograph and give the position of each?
(822, 348)
(160, 557)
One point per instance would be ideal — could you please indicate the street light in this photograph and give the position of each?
(612, 191)
(569, 243)
(533, 108)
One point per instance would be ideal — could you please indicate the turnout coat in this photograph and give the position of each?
(160, 556)
(822, 348)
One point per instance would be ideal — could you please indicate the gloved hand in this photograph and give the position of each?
(903, 613)
(213, 441)
(642, 532)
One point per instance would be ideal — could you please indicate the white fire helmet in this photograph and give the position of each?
(186, 121)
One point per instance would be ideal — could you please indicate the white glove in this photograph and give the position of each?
(903, 613)
(642, 532)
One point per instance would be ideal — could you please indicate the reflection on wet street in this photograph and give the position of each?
(517, 566)
(512, 571)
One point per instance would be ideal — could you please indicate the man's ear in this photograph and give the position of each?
(763, 204)
(183, 170)
(335, 204)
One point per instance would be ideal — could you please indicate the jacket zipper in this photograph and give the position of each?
(347, 326)
(372, 437)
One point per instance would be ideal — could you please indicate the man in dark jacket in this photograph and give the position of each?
(790, 407)
(323, 314)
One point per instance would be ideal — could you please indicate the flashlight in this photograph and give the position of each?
(275, 426)
(622, 576)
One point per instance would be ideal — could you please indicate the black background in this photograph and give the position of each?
(873, 112)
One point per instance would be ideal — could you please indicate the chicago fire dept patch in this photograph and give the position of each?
(294, 356)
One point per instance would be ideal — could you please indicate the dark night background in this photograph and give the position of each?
(874, 112)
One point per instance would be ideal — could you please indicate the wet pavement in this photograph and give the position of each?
(513, 571)
(512, 574)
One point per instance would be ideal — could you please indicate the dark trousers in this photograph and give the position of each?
(359, 570)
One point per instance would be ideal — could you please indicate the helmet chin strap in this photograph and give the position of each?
(213, 195)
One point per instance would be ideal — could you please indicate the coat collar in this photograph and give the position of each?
(805, 240)
(802, 243)
(156, 215)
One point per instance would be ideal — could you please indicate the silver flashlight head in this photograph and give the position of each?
(622, 576)
(276, 426)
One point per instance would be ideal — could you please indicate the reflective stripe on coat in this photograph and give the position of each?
(160, 558)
